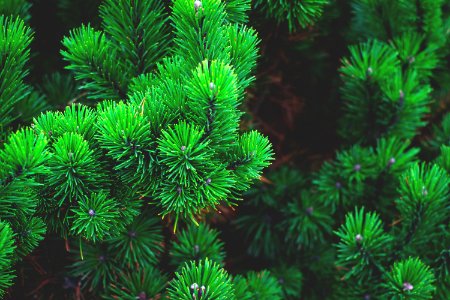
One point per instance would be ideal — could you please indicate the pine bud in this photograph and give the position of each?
(391, 161)
(179, 190)
(338, 185)
(183, 148)
(369, 71)
(212, 86)
(201, 291)
(424, 191)
(196, 249)
(91, 212)
(407, 286)
(411, 59)
(358, 238)
(142, 296)
(197, 5)
(208, 181)
(357, 167)
(310, 210)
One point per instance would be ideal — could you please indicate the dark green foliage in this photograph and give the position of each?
(384, 19)
(424, 201)
(197, 243)
(290, 279)
(19, 8)
(97, 266)
(141, 242)
(297, 13)
(363, 242)
(138, 245)
(6, 256)
(60, 89)
(75, 12)
(144, 283)
(359, 173)
(258, 285)
(306, 220)
(441, 135)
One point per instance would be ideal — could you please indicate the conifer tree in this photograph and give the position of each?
(163, 139)
(145, 151)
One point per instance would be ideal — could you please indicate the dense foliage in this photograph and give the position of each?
(142, 150)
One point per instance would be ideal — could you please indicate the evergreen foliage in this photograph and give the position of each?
(19, 8)
(143, 157)
(93, 173)
(15, 38)
(204, 280)
(297, 13)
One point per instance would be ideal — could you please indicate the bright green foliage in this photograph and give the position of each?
(177, 138)
(15, 38)
(73, 166)
(410, 279)
(96, 217)
(258, 285)
(144, 283)
(19, 8)
(96, 62)
(7, 248)
(202, 280)
(237, 10)
(138, 30)
(197, 242)
(22, 159)
(297, 13)
(135, 41)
